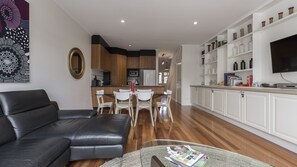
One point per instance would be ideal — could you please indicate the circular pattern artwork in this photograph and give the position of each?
(14, 41)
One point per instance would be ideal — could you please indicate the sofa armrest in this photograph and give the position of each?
(54, 103)
(74, 114)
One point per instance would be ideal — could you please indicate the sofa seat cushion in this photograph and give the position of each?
(32, 152)
(100, 130)
(75, 114)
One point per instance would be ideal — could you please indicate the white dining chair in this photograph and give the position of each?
(166, 104)
(124, 90)
(123, 100)
(144, 90)
(144, 101)
(101, 103)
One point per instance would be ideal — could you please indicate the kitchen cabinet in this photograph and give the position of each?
(272, 112)
(208, 98)
(234, 104)
(147, 62)
(256, 110)
(100, 58)
(119, 70)
(200, 96)
(219, 97)
(284, 114)
(132, 62)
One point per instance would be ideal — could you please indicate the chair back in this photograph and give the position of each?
(122, 96)
(99, 94)
(124, 90)
(144, 90)
(168, 93)
(144, 95)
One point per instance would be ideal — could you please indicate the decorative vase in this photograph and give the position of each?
(291, 10)
(280, 15)
(270, 20)
(263, 23)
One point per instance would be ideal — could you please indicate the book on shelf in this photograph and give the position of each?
(185, 156)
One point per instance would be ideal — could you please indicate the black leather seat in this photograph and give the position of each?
(102, 130)
(30, 153)
(35, 153)
(38, 127)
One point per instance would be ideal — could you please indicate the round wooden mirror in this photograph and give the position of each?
(76, 63)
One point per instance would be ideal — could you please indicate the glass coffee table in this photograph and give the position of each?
(217, 157)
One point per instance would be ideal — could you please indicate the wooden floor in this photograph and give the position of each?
(191, 124)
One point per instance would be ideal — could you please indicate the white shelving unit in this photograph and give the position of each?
(241, 71)
(241, 38)
(215, 59)
(251, 46)
(241, 48)
(277, 22)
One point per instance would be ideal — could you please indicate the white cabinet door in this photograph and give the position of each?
(284, 116)
(256, 110)
(208, 98)
(219, 97)
(234, 105)
(200, 96)
(194, 95)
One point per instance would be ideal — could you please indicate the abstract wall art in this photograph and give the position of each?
(14, 41)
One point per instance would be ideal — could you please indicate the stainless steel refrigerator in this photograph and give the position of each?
(148, 77)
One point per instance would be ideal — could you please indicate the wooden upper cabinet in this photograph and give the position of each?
(101, 58)
(147, 62)
(132, 62)
(119, 70)
(96, 56)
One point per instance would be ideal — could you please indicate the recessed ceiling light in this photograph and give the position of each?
(195, 22)
(130, 45)
(122, 21)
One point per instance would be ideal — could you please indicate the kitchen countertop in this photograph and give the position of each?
(254, 89)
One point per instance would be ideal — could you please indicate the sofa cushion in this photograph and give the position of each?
(6, 131)
(28, 110)
(101, 130)
(76, 114)
(21, 101)
(33, 152)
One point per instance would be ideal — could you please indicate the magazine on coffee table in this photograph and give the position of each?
(185, 156)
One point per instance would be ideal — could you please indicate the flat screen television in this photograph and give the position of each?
(284, 54)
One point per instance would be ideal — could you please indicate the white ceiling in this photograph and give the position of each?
(156, 24)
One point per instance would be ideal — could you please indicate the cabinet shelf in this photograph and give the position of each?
(210, 75)
(241, 54)
(277, 22)
(239, 71)
(211, 63)
(212, 51)
(243, 37)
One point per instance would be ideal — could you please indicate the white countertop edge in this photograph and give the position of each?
(253, 89)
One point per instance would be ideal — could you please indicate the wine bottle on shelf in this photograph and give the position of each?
(242, 65)
(251, 63)
(235, 66)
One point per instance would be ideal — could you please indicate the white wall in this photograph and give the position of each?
(52, 35)
(190, 70)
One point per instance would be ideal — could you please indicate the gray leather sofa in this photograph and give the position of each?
(34, 132)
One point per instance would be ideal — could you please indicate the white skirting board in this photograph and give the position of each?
(283, 143)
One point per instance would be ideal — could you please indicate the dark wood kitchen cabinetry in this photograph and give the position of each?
(132, 62)
(147, 62)
(119, 69)
(101, 58)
